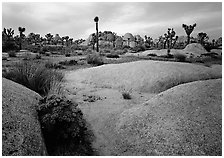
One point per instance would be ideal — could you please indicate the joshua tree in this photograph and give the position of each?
(188, 29)
(66, 39)
(170, 36)
(202, 37)
(111, 38)
(49, 37)
(21, 30)
(93, 40)
(148, 40)
(8, 33)
(96, 19)
(70, 40)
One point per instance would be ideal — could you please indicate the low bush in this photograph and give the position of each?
(152, 55)
(112, 56)
(126, 47)
(139, 48)
(126, 95)
(38, 56)
(94, 59)
(166, 56)
(12, 53)
(67, 55)
(4, 58)
(180, 57)
(51, 65)
(35, 77)
(120, 52)
(64, 128)
(68, 62)
(47, 53)
(9, 46)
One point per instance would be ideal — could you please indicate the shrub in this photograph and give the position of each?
(47, 53)
(120, 52)
(139, 48)
(4, 58)
(35, 77)
(180, 57)
(51, 65)
(112, 56)
(166, 56)
(67, 55)
(152, 55)
(9, 46)
(38, 56)
(64, 128)
(126, 47)
(94, 59)
(12, 53)
(126, 95)
(68, 62)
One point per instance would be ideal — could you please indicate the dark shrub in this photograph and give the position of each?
(47, 53)
(112, 56)
(35, 77)
(139, 48)
(120, 52)
(68, 62)
(12, 53)
(38, 56)
(126, 47)
(152, 55)
(167, 56)
(94, 59)
(180, 57)
(64, 128)
(126, 95)
(9, 46)
(67, 55)
(51, 65)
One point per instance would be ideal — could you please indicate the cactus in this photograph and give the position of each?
(188, 29)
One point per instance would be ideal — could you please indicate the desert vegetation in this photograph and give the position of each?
(81, 109)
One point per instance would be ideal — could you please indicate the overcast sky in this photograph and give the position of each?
(148, 18)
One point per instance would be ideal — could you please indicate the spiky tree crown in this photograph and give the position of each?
(96, 19)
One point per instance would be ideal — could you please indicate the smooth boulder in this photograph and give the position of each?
(21, 131)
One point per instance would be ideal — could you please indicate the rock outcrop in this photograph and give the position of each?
(21, 131)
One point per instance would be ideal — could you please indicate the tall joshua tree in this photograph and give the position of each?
(96, 19)
(188, 29)
(21, 30)
(170, 37)
(49, 37)
(8, 33)
(202, 36)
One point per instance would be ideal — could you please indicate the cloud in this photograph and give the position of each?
(76, 19)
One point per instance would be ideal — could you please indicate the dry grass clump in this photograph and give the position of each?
(184, 120)
(94, 59)
(146, 76)
(35, 77)
(179, 57)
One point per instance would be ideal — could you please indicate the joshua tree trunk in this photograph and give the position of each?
(20, 42)
(97, 41)
(164, 45)
(188, 39)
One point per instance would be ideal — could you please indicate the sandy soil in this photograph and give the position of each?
(98, 92)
